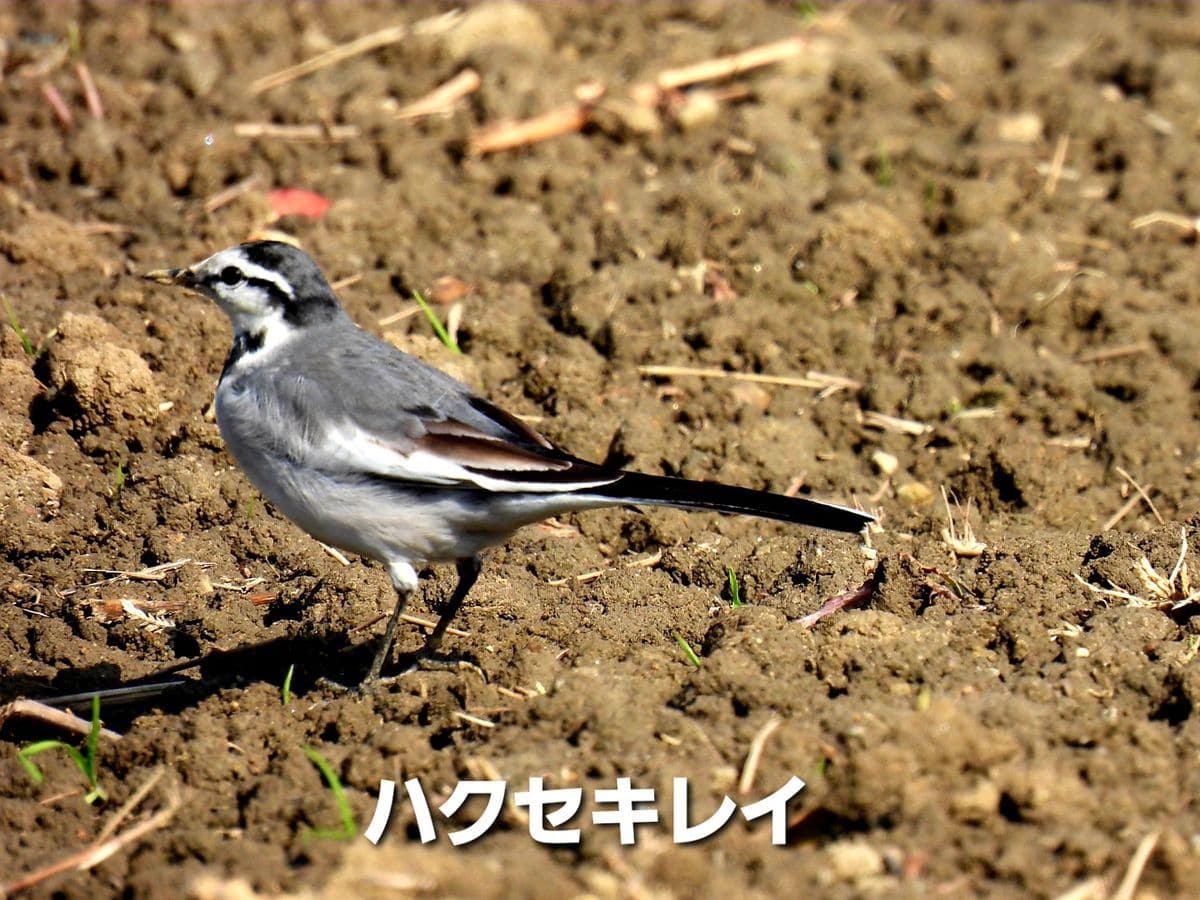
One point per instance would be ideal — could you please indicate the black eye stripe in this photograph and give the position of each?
(273, 290)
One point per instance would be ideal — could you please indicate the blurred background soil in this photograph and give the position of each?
(931, 215)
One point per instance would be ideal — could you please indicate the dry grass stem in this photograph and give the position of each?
(754, 757)
(59, 718)
(314, 132)
(342, 283)
(335, 553)
(153, 573)
(1056, 164)
(895, 424)
(1142, 492)
(1105, 354)
(1126, 508)
(756, 378)
(1189, 224)
(134, 801)
(1171, 591)
(583, 578)
(356, 47)
(1060, 288)
(961, 539)
(507, 135)
(231, 193)
(399, 316)
(101, 849)
(1127, 889)
(91, 96)
(58, 106)
(443, 98)
(734, 64)
(474, 720)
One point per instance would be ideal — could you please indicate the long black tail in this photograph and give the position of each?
(659, 490)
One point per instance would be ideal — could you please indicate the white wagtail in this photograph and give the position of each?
(372, 451)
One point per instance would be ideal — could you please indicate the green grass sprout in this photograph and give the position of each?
(735, 589)
(438, 328)
(74, 40)
(687, 650)
(15, 324)
(885, 171)
(118, 483)
(26, 342)
(85, 761)
(807, 11)
(349, 829)
(285, 692)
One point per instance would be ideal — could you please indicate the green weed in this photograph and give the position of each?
(687, 650)
(735, 589)
(438, 328)
(349, 829)
(285, 692)
(84, 761)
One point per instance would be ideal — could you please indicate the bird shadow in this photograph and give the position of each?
(175, 687)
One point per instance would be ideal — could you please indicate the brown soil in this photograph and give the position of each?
(887, 207)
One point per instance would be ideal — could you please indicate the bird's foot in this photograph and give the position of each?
(447, 663)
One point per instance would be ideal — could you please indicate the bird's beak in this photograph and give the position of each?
(182, 277)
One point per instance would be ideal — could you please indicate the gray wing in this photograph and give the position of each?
(366, 407)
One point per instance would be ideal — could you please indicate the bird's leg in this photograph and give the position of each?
(389, 636)
(468, 572)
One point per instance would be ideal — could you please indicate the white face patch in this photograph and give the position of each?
(251, 295)
(254, 298)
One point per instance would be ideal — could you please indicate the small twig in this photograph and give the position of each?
(395, 317)
(754, 757)
(1056, 164)
(347, 281)
(98, 851)
(1145, 496)
(1190, 224)
(884, 422)
(1137, 864)
(231, 193)
(858, 595)
(61, 718)
(356, 47)
(1106, 354)
(1126, 509)
(700, 372)
(442, 99)
(335, 553)
(58, 106)
(507, 135)
(583, 578)
(734, 64)
(114, 822)
(314, 132)
(91, 95)
(474, 720)
(153, 573)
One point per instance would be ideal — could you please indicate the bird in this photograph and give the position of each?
(377, 453)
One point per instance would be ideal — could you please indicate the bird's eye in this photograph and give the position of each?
(231, 275)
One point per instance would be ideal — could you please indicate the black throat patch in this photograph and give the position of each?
(242, 344)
